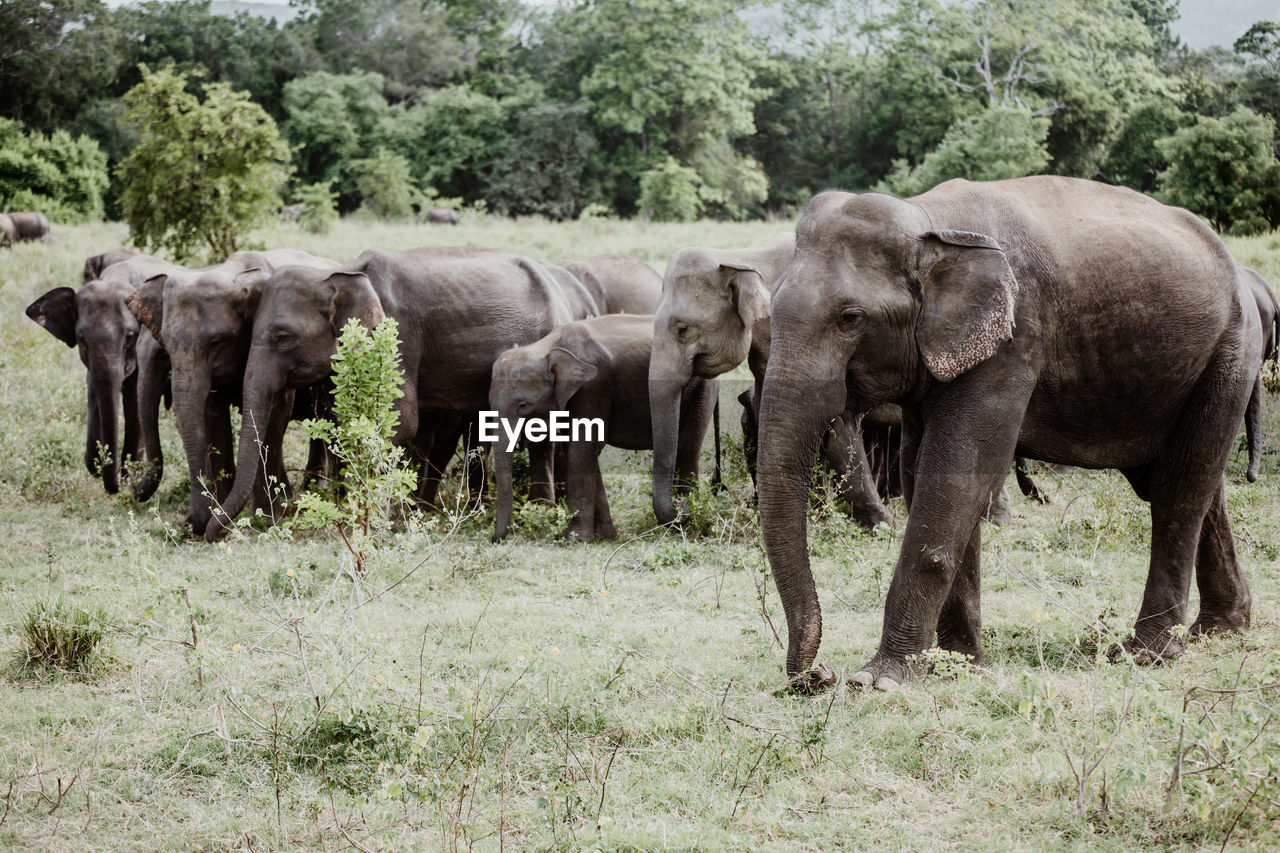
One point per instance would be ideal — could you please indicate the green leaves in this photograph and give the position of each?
(61, 176)
(204, 173)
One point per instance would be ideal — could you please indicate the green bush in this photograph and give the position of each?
(669, 193)
(1003, 141)
(1224, 170)
(386, 185)
(62, 176)
(204, 173)
(320, 210)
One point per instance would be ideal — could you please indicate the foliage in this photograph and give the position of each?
(547, 165)
(1135, 159)
(451, 140)
(669, 193)
(203, 173)
(366, 379)
(60, 176)
(1002, 142)
(1225, 170)
(60, 637)
(385, 184)
(319, 210)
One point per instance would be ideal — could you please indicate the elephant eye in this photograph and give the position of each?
(850, 318)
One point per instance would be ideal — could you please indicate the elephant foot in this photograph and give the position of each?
(579, 532)
(1233, 621)
(605, 531)
(869, 517)
(816, 680)
(1163, 648)
(999, 515)
(883, 673)
(145, 488)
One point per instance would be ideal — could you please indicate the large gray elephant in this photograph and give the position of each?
(1059, 319)
(714, 313)
(204, 318)
(595, 368)
(457, 309)
(1269, 317)
(127, 368)
(620, 284)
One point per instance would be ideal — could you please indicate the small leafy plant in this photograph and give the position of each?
(319, 210)
(60, 637)
(374, 478)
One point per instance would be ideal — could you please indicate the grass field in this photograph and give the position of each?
(255, 695)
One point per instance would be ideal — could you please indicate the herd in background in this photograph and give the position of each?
(23, 226)
(838, 325)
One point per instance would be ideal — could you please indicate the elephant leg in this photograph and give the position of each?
(603, 528)
(908, 449)
(272, 489)
(1185, 487)
(317, 473)
(844, 453)
(1027, 485)
(477, 473)
(1253, 429)
(695, 416)
(954, 479)
(998, 512)
(584, 477)
(560, 462)
(152, 375)
(1225, 602)
(750, 432)
(221, 467)
(716, 479)
(542, 474)
(960, 625)
(444, 442)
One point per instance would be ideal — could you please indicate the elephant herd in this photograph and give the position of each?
(1044, 318)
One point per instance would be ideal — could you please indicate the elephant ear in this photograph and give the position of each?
(353, 296)
(967, 296)
(93, 267)
(250, 282)
(147, 304)
(568, 374)
(57, 314)
(747, 292)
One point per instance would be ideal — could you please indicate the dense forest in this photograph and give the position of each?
(673, 110)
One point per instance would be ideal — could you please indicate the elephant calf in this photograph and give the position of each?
(596, 368)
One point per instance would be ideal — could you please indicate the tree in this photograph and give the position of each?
(548, 164)
(59, 175)
(1006, 141)
(204, 172)
(669, 193)
(386, 185)
(1135, 159)
(1225, 170)
(451, 140)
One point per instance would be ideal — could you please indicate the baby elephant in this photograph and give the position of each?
(593, 369)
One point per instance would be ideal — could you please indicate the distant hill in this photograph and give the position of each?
(1205, 23)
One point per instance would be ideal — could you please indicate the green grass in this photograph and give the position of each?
(614, 696)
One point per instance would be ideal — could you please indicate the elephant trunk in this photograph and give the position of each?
(190, 401)
(794, 415)
(105, 394)
(261, 391)
(502, 463)
(667, 380)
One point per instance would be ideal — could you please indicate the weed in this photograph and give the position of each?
(60, 637)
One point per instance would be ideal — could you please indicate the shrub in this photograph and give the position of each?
(366, 379)
(385, 183)
(669, 193)
(59, 637)
(1003, 141)
(1224, 170)
(59, 175)
(320, 209)
(203, 173)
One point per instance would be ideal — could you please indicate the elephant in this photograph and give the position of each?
(30, 226)
(1269, 317)
(127, 368)
(94, 266)
(8, 231)
(457, 309)
(620, 284)
(203, 319)
(1052, 318)
(441, 216)
(713, 314)
(595, 368)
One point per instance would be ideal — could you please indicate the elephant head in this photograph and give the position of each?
(204, 320)
(301, 312)
(875, 306)
(530, 381)
(95, 321)
(714, 303)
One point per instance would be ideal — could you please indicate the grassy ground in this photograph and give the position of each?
(255, 696)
